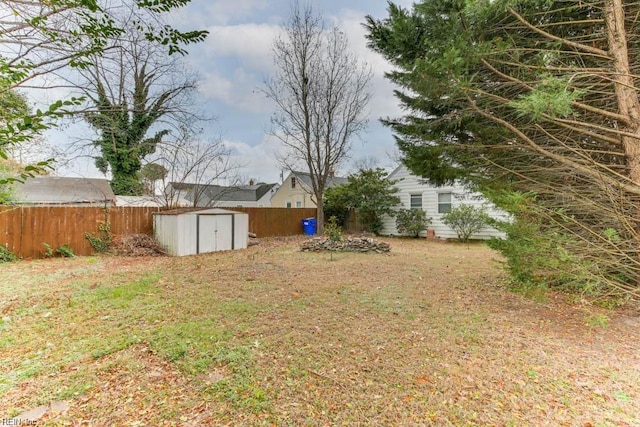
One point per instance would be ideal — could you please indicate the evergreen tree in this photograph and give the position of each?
(528, 97)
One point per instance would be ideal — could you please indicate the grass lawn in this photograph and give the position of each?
(425, 335)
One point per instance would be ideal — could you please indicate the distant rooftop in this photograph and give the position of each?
(332, 181)
(64, 190)
(219, 193)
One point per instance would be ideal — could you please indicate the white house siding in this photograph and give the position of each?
(409, 184)
(236, 204)
(262, 202)
(299, 196)
(265, 200)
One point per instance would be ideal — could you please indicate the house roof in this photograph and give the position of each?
(198, 211)
(398, 168)
(144, 201)
(209, 193)
(332, 181)
(64, 190)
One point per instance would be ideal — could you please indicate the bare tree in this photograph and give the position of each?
(321, 91)
(41, 39)
(137, 95)
(193, 164)
(365, 163)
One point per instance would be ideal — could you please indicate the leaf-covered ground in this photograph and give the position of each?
(425, 335)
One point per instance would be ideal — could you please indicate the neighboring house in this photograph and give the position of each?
(297, 192)
(148, 201)
(252, 195)
(416, 192)
(56, 190)
(139, 201)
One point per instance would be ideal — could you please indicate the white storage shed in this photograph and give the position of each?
(189, 232)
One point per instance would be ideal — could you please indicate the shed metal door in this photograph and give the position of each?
(215, 233)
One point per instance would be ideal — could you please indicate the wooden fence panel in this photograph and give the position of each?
(351, 224)
(270, 222)
(24, 230)
(135, 220)
(10, 228)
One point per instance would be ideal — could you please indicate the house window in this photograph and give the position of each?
(298, 204)
(288, 204)
(293, 182)
(416, 201)
(444, 202)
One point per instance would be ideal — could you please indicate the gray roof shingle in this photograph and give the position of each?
(332, 181)
(64, 190)
(213, 193)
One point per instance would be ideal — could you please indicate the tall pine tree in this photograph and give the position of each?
(535, 103)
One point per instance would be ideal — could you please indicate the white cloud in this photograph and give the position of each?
(249, 43)
(240, 58)
(259, 161)
(383, 103)
(216, 86)
(225, 11)
(201, 13)
(241, 91)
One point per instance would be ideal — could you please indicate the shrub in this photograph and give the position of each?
(374, 224)
(412, 221)
(48, 250)
(333, 230)
(369, 192)
(102, 242)
(538, 255)
(466, 220)
(6, 255)
(66, 251)
(336, 204)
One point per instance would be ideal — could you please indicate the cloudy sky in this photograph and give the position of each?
(236, 58)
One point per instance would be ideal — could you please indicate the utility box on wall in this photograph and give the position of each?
(190, 232)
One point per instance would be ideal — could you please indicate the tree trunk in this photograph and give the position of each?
(320, 216)
(627, 98)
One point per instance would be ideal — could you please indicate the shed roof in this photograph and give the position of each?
(197, 211)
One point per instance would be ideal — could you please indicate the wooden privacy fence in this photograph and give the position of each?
(25, 230)
(351, 224)
(271, 222)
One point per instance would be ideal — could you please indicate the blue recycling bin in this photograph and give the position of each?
(309, 226)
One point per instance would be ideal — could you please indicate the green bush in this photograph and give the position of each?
(336, 204)
(333, 230)
(101, 242)
(369, 192)
(466, 220)
(6, 255)
(533, 257)
(66, 251)
(48, 250)
(540, 255)
(412, 221)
